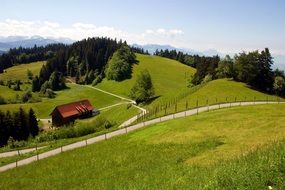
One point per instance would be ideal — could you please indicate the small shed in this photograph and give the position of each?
(67, 113)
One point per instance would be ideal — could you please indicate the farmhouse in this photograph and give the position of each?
(67, 113)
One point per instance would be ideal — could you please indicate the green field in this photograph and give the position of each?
(237, 148)
(168, 77)
(216, 91)
(19, 72)
(116, 115)
(73, 93)
(8, 93)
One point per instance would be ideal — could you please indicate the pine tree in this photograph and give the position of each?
(4, 131)
(33, 123)
(21, 126)
(264, 77)
(36, 84)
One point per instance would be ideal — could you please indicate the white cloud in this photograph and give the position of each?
(78, 31)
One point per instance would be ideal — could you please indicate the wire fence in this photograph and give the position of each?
(174, 106)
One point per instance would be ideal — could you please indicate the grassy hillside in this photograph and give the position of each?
(74, 93)
(8, 93)
(168, 76)
(217, 91)
(19, 72)
(233, 148)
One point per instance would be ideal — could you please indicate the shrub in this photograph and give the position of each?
(207, 79)
(27, 96)
(2, 100)
(76, 130)
(49, 93)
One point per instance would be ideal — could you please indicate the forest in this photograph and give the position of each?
(19, 125)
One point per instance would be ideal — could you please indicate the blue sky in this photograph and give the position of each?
(228, 26)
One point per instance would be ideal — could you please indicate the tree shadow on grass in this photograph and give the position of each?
(150, 100)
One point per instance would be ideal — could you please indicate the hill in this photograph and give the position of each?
(73, 93)
(213, 92)
(19, 72)
(232, 144)
(168, 76)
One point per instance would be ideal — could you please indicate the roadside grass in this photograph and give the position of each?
(19, 72)
(73, 93)
(236, 148)
(116, 115)
(169, 77)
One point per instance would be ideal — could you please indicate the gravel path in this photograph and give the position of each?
(126, 130)
(19, 152)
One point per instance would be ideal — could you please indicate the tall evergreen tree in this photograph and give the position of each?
(36, 84)
(264, 77)
(33, 123)
(4, 131)
(21, 125)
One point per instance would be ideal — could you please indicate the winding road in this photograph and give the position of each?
(128, 129)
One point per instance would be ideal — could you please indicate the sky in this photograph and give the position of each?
(228, 26)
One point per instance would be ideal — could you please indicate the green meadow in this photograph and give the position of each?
(169, 77)
(72, 93)
(237, 148)
(19, 72)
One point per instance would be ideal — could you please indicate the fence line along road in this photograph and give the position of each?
(19, 152)
(125, 130)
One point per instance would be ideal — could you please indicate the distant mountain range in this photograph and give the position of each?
(151, 48)
(24, 41)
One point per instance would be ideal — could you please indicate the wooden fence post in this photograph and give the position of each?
(208, 104)
(197, 104)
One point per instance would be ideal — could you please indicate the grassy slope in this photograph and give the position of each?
(217, 91)
(170, 83)
(226, 90)
(74, 93)
(19, 72)
(213, 150)
(168, 76)
(116, 115)
(8, 93)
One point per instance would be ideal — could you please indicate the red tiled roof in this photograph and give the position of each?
(74, 108)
